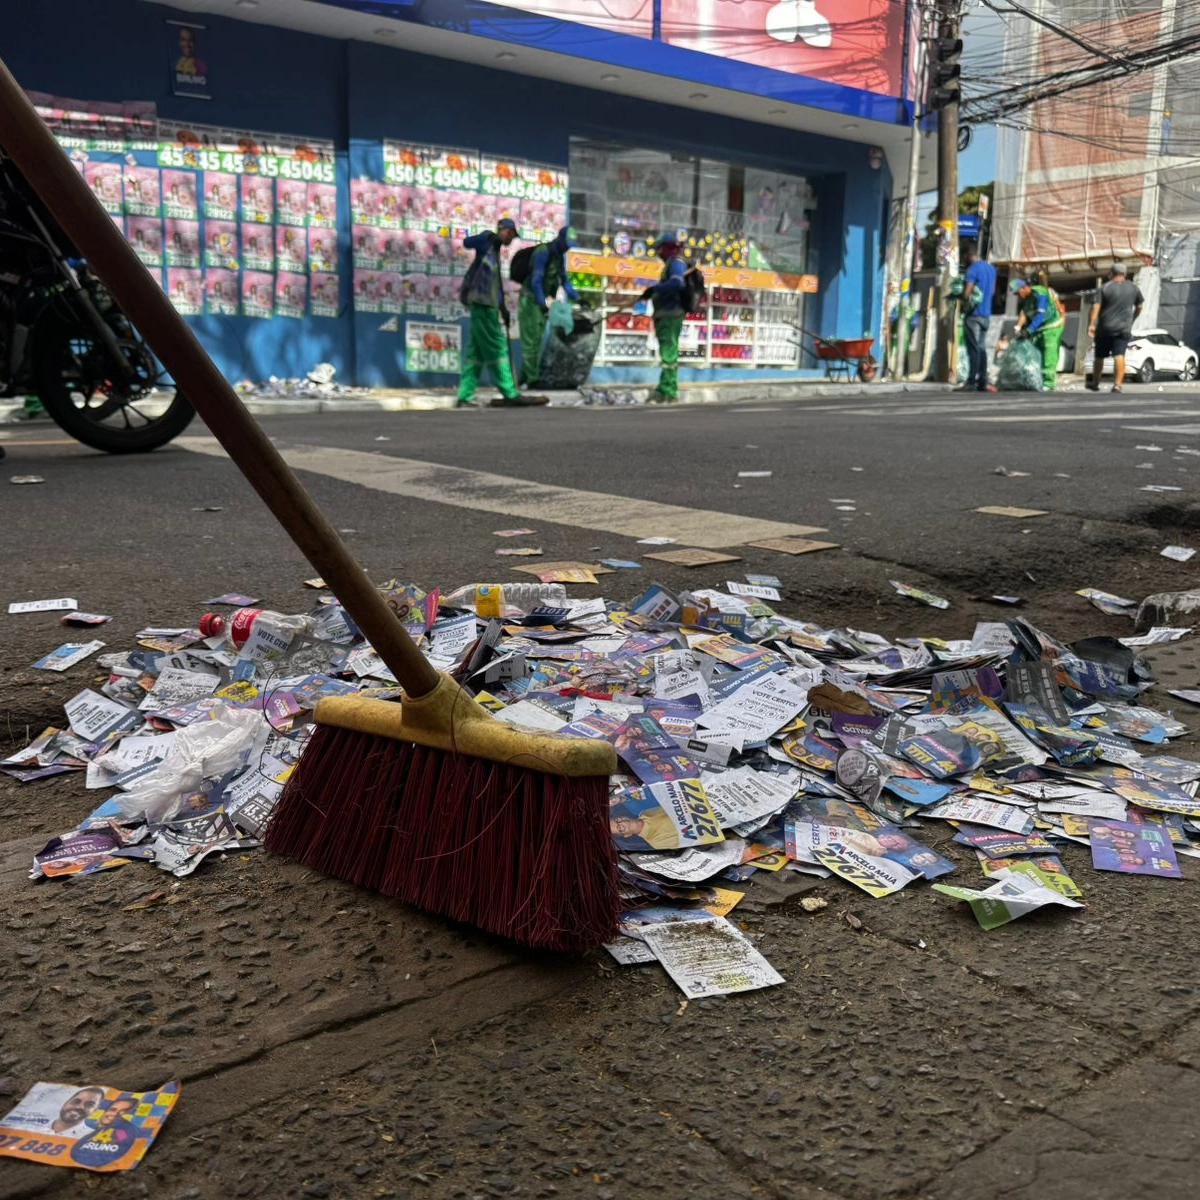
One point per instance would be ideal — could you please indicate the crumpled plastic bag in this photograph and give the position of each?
(1020, 368)
(206, 750)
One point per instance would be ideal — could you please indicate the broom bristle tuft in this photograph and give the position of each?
(511, 850)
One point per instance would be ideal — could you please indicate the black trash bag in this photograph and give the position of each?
(567, 358)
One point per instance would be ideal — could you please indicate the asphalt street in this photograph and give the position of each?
(333, 1044)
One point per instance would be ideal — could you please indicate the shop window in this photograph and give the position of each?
(746, 227)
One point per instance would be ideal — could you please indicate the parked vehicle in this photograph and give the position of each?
(1152, 352)
(64, 339)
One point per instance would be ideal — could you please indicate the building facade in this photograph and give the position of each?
(299, 174)
(1109, 171)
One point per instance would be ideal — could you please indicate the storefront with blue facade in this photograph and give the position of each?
(301, 193)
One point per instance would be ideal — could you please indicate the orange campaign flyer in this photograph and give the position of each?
(91, 1126)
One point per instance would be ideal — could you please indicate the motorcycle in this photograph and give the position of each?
(64, 339)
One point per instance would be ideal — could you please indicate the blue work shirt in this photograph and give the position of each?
(548, 272)
(485, 285)
(668, 293)
(983, 276)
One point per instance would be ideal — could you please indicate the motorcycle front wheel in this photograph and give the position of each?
(74, 382)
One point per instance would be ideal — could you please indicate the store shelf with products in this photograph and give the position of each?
(742, 327)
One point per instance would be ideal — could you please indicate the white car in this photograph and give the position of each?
(1152, 352)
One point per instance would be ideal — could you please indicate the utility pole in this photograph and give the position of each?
(904, 277)
(944, 96)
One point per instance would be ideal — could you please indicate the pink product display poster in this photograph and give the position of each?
(179, 194)
(291, 198)
(105, 181)
(146, 237)
(291, 248)
(324, 300)
(182, 243)
(258, 247)
(185, 289)
(143, 191)
(322, 250)
(221, 297)
(258, 294)
(258, 200)
(220, 196)
(221, 244)
(291, 294)
(322, 205)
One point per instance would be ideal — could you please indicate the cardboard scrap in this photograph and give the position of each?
(793, 545)
(1005, 510)
(693, 558)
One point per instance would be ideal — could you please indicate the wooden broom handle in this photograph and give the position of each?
(62, 189)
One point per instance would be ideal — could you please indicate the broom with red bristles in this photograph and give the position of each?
(432, 800)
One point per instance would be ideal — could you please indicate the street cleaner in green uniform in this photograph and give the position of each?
(669, 311)
(1038, 318)
(547, 273)
(482, 292)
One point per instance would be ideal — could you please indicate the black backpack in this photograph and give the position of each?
(521, 266)
(695, 293)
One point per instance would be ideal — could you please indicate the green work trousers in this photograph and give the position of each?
(1048, 342)
(487, 347)
(533, 329)
(667, 328)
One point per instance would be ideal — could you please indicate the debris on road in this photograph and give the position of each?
(916, 593)
(1005, 510)
(1178, 553)
(40, 606)
(91, 1126)
(750, 742)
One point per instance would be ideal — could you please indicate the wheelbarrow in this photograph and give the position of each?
(841, 355)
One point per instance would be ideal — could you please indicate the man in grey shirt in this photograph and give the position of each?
(1118, 304)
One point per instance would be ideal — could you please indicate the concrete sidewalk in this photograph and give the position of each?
(317, 400)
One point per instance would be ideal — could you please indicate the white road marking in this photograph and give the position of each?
(483, 491)
(1084, 416)
(1165, 428)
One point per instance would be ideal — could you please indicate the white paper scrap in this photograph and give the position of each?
(1178, 553)
(67, 655)
(756, 710)
(695, 864)
(746, 795)
(978, 811)
(709, 958)
(756, 591)
(36, 606)
(93, 716)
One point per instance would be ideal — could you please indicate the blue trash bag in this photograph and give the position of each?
(1020, 368)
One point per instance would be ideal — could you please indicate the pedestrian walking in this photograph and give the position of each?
(1040, 319)
(1117, 305)
(547, 272)
(482, 292)
(669, 310)
(979, 292)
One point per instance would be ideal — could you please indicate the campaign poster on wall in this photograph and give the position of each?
(432, 347)
(204, 199)
(221, 293)
(185, 57)
(408, 228)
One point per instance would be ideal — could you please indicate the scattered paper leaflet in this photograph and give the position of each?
(95, 1127)
(1014, 896)
(709, 958)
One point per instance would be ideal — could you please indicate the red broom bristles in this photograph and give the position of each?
(516, 852)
